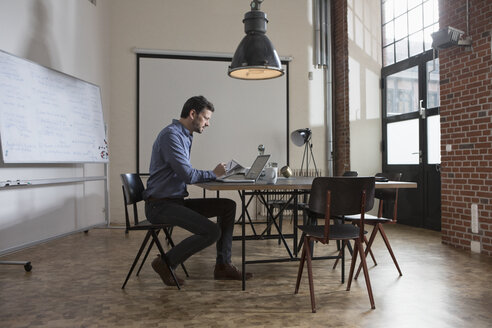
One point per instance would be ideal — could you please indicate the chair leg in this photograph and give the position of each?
(145, 256)
(168, 235)
(310, 275)
(306, 221)
(386, 241)
(339, 252)
(163, 257)
(366, 272)
(370, 250)
(301, 267)
(368, 247)
(339, 247)
(171, 243)
(144, 243)
(301, 240)
(343, 261)
(352, 266)
(349, 247)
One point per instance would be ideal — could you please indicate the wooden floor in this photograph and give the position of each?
(76, 282)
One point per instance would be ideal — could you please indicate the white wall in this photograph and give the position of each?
(206, 26)
(70, 36)
(364, 31)
(95, 43)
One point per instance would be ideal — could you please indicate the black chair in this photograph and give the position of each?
(281, 205)
(340, 219)
(132, 195)
(386, 196)
(332, 197)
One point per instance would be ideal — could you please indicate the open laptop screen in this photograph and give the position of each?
(258, 165)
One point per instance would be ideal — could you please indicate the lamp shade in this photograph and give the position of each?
(255, 57)
(301, 136)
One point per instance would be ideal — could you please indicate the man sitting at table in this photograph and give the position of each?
(170, 172)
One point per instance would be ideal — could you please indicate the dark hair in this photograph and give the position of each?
(198, 103)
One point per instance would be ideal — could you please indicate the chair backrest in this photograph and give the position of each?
(387, 195)
(338, 196)
(132, 194)
(132, 188)
(346, 193)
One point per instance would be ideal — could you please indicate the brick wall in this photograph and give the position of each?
(341, 122)
(466, 125)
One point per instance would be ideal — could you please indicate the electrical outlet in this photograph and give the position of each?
(474, 218)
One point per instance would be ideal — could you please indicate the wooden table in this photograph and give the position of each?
(292, 187)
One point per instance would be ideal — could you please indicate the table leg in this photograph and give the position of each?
(243, 239)
(296, 218)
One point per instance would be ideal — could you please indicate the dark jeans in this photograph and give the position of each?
(192, 215)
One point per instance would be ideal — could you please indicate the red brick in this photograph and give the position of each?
(467, 119)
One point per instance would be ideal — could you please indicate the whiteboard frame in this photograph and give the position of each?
(199, 56)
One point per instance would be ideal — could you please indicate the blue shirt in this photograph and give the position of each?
(170, 167)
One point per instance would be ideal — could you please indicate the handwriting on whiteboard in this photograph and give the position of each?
(47, 116)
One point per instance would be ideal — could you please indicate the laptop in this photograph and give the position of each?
(252, 175)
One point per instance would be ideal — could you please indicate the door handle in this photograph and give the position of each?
(421, 109)
(420, 155)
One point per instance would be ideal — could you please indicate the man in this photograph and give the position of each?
(170, 173)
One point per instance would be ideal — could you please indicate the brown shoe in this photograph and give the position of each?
(229, 272)
(163, 270)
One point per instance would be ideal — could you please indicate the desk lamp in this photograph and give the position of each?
(255, 57)
(302, 137)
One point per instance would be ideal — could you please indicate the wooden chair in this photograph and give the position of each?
(331, 197)
(386, 196)
(132, 195)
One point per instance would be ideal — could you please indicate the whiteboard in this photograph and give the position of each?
(247, 113)
(47, 116)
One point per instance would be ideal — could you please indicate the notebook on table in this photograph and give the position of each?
(252, 175)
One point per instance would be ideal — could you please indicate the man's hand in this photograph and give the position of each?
(220, 170)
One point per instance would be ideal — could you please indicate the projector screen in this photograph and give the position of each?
(247, 113)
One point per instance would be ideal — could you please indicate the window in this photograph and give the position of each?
(402, 92)
(407, 26)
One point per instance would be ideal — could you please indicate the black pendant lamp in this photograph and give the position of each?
(255, 57)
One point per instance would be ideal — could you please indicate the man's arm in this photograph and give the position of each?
(177, 158)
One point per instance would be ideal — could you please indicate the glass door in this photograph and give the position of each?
(432, 148)
(411, 137)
